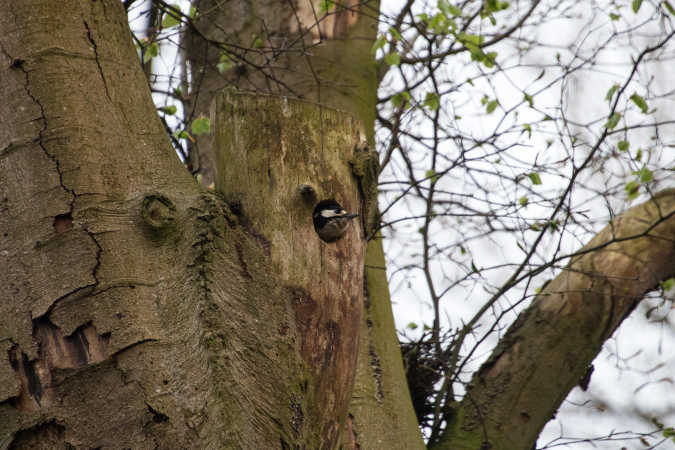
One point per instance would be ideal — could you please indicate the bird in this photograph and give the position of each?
(331, 220)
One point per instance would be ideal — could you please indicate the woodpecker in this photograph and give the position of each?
(330, 220)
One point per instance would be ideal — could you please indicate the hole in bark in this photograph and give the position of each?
(63, 223)
(307, 193)
(32, 378)
(44, 435)
(236, 208)
(157, 416)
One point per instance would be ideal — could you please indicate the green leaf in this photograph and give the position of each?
(325, 6)
(611, 92)
(412, 326)
(393, 59)
(448, 8)
(432, 101)
(432, 175)
(258, 42)
(645, 175)
(636, 5)
(523, 201)
(440, 24)
(528, 128)
(491, 6)
(193, 11)
(225, 63)
(201, 125)
(395, 34)
(401, 100)
(669, 8)
(528, 98)
(614, 16)
(491, 106)
(171, 17)
(639, 102)
(623, 145)
(668, 284)
(632, 189)
(473, 39)
(553, 225)
(613, 121)
(638, 155)
(534, 178)
(168, 110)
(150, 52)
(182, 134)
(379, 43)
(490, 59)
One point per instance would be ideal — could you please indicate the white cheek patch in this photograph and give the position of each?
(332, 213)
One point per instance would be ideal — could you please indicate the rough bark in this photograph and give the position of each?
(85, 293)
(549, 348)
(137, 310)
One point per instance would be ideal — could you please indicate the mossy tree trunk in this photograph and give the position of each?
(332, 65)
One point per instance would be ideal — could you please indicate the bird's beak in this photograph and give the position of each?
(350, 216)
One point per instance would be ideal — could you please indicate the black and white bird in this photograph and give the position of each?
(330, 220)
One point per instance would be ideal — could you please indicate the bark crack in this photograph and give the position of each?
(96, 58)
(19, 64)
(43, 118)
(375, 364)
(377, 372)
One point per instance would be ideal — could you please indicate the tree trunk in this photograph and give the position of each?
(270, 151)
(331, 63)
(139, 311)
